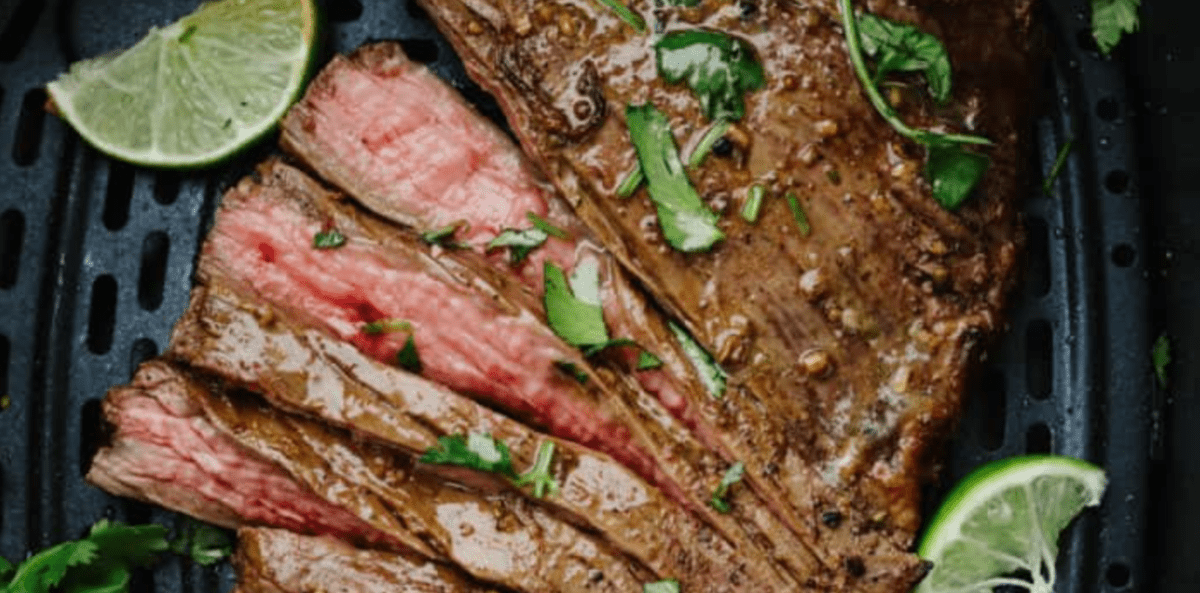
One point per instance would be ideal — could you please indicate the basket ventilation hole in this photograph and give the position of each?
(1116, 181)
(1086, 42)
(424, 51)
(153, 273)
(27, 144)
(4, 365)
(166, 187)
(1123, 255)
(12, 237)
(1038, 439)
(118, 195)
(1039, 257)
(415, 10)
(102, 316)
(143, 349)
(1108, 109)
(1039, 358)
(1117, 574)
(343, 11)
(18, 30)
(91, 433)
(994, 413)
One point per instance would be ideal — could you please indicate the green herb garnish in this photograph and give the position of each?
(407, 358)
(385, 326)
(100, 562)
(443, 236)
(630, 17)
(754, 202)
(1060, 161)
(898, 47)
(484, 453)
(1111, 19)
(707, 141)
(687, 223)
(719, 497)
(576, 317)
(719, 68)
(663, 586)
(1161, 355)
(205, 544)
(539, 476)
(329, 239)
(572, 370)
(519, 243)
(798, 214)
(952, 171)
(648, 361)
(545, 226)
(711, 374)
(631, 182)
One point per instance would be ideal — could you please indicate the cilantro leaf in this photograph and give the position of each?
(205, 544)
(544, 225)
(1111, 19)
(519, 243)
(475, 451)
(687, 223)
(711, 374)
(407, 358)
(630, 17)
(129, 544)
(46, 570)
(444, 236)
(540, 476)
(329, 239)
(571, 369)
(1060, 161)
(648, 361)
(897, 47)
(1161, 354)
(577, 321)
(719, 68)
(382, 326)
(953, 173)
(732, 476)
(663, 586)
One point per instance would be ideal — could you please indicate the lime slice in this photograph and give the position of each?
(1000, 525)
(197, 90)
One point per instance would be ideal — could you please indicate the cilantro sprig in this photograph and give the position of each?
(718, 67)
(102, 561)
(712, 376)
(574, 313)
(898, 47)
(951, 170)
(485, 453)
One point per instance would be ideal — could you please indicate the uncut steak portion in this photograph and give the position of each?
(275, 560)
(368, 123)
(306, 371)
(847, 349)
(475, 332)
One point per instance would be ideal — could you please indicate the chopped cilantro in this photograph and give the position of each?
(540, 475)
(475, 451)
(687, 223)
(647, 361)
(953, 173)
(631, 182)
(711, 374)
(719, 68)
(576, 318)
(710, 137)
(545, 226)
(1060, 161)
(630, 17)
(383, 326)
(754, 202)
(798, 214)
(663, 586)
(1161, 354)
(519, 243)
(205, 544)
(571, 369)
(329, 239)
(1111, 19)
(719, 497)
(444, 236)
(407, 358)
(898, 47)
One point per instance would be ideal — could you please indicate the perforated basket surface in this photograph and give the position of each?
(96, 259)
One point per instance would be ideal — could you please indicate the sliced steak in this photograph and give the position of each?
(306, 371)
(853, 343)
(475, 332)
(271, 560)
(164, 451)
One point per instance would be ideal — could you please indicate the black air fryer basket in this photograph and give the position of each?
(96, 259)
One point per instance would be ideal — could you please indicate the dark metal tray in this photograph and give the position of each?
(96, 257)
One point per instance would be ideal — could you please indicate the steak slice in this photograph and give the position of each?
(475, 333)
(164, 451)
(275, 560)
(847, 349)
(306, 371)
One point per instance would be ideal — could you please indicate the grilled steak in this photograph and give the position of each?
(163, 450)
(308, 372)
(847, 349)
(275, 560)
(486, 344)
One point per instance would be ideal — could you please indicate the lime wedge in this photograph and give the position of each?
(1000, 525)
(197, 90)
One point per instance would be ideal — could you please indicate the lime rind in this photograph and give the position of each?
(1005, 518)
(196, 91)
